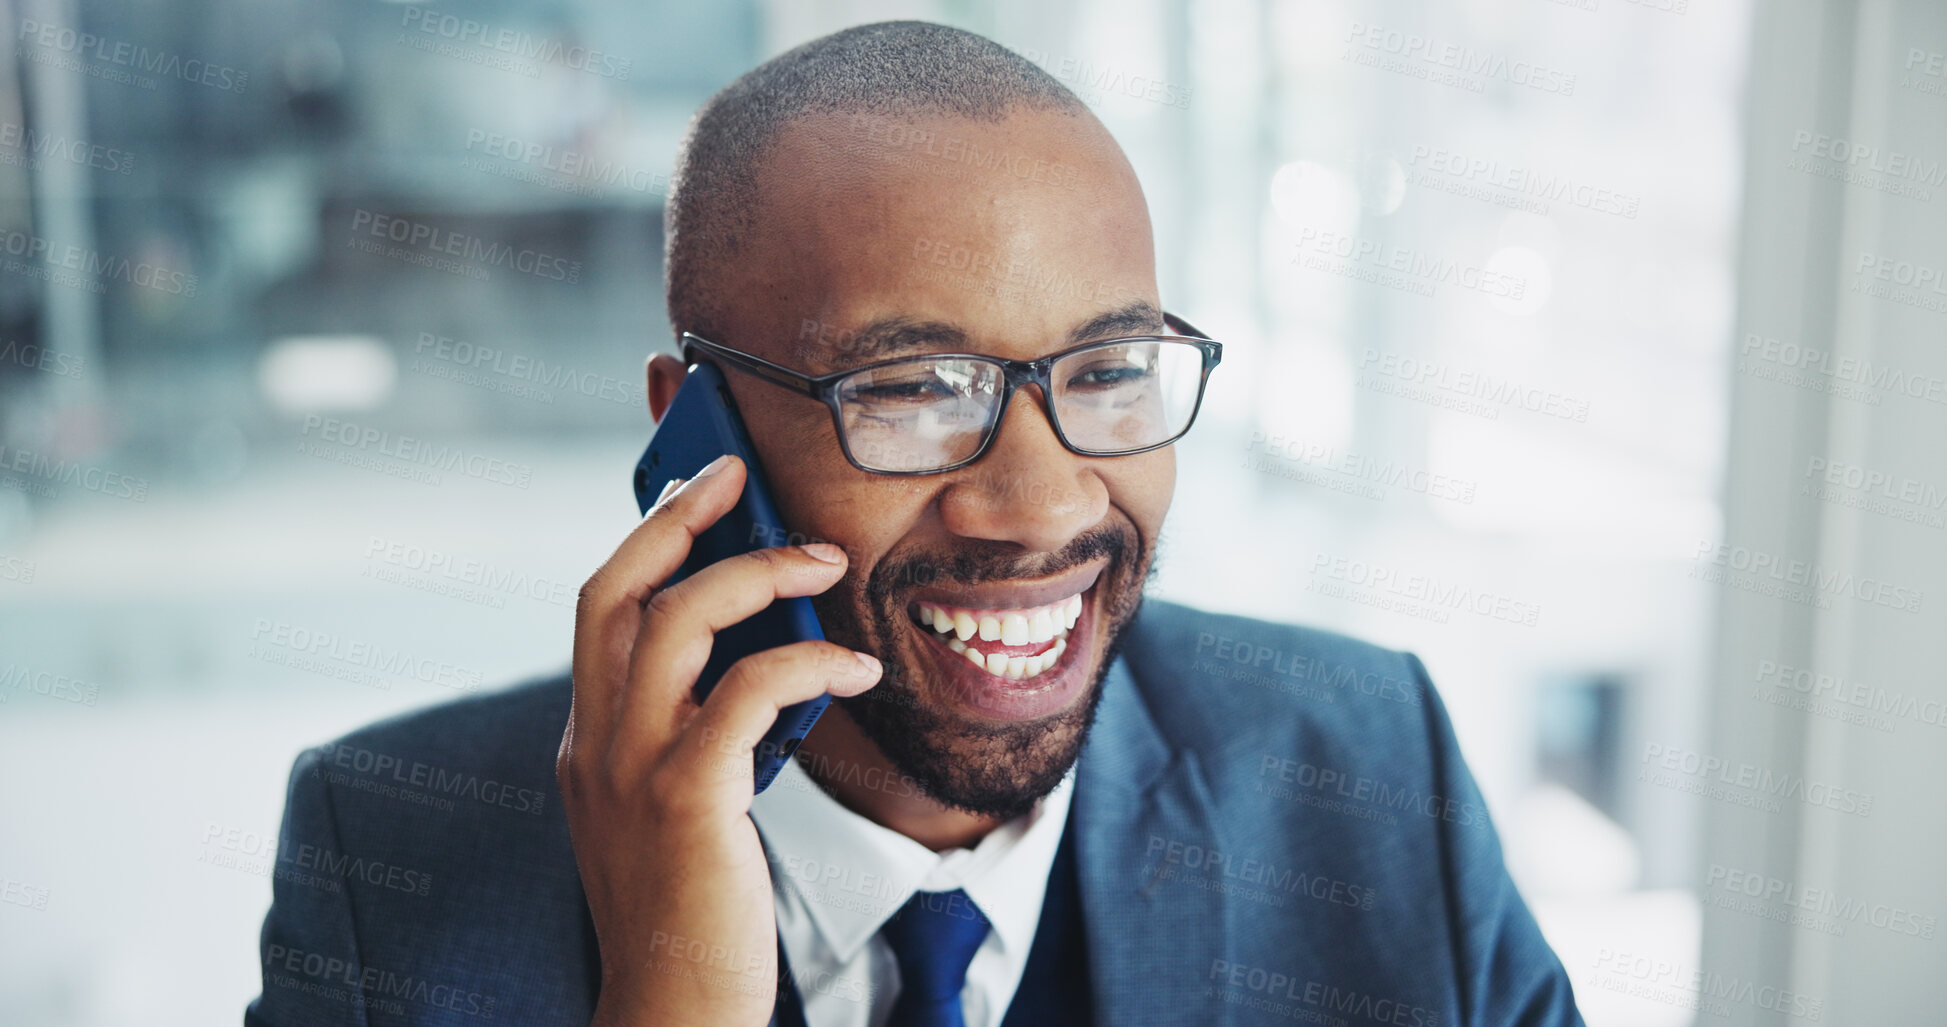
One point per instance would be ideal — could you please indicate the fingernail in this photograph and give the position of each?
(713, 467)
(824, 551)
(674, 484)
(872, 665)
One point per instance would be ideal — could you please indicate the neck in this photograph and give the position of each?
(842, 760)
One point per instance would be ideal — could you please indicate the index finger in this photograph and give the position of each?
(609, 609)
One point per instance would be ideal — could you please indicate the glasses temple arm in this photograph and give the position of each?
(773, 373)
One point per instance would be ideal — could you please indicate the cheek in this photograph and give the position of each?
(823, 497)
(1142, 487)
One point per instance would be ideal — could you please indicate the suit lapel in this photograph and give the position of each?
(1151, 940)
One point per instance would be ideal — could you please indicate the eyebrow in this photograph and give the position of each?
(898, 334)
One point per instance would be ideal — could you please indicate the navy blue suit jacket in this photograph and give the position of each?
(1272, 824)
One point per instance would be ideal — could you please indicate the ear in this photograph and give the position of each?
(666, 374)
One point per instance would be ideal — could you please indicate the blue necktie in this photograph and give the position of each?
(933, 937)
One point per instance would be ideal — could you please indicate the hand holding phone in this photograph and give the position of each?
(657, 783)
(701, 425)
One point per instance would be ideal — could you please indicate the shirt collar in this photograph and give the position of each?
(853, 874)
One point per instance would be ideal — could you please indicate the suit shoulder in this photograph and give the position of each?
(1219, 682)
(483, 747)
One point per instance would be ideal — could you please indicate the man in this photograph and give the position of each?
(1030, 802)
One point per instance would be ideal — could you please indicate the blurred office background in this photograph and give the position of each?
(1563, 303)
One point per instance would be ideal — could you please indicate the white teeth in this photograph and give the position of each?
(957, 629)
(1013, 668)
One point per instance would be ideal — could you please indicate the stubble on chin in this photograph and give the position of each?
(989, 769)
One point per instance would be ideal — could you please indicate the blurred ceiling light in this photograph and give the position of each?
(305, 374)
(1382, 183)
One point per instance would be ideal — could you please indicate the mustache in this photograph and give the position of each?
(891, 577)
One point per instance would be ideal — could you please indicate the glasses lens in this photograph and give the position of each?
(921, 415)
(1127, 395)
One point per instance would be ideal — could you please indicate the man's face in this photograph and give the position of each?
(1014, 239)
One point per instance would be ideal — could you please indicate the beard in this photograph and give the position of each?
(990, 769)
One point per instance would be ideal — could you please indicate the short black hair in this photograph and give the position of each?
(890, 68)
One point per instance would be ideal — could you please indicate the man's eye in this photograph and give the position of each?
(915, 391)
(1110, 376)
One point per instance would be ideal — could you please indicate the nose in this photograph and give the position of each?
(1028, 489)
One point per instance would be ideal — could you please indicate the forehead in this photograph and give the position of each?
(1012, 233)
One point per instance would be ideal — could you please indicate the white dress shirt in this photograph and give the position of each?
(839, 877)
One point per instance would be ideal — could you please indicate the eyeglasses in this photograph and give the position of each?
(938, 412)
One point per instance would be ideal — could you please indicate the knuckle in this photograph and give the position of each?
(590, 596)
(668, 602)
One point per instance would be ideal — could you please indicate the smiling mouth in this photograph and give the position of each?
(1015, 644)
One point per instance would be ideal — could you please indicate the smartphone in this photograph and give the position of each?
(701, 425)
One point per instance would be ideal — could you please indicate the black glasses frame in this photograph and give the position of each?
(1015, 373)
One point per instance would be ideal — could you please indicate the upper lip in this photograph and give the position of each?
(1014, 594)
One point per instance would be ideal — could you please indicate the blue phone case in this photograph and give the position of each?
(701, 425)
